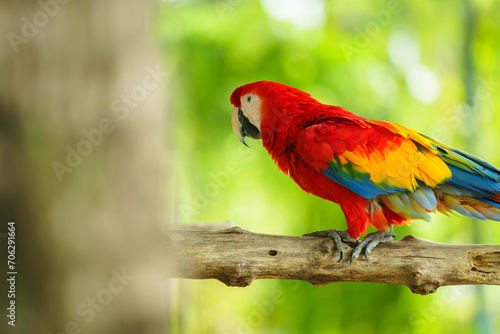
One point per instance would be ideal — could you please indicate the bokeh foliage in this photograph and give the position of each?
(401, 61)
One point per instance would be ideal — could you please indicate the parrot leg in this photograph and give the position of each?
(371, 240)
(337, 236)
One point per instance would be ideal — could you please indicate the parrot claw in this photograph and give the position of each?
(370, 241)
(338, 236)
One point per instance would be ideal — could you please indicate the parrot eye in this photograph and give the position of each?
(249, 99)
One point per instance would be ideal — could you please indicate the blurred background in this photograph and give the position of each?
(115, 124)
(84, 96)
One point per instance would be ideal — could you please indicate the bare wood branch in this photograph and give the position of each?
(237, 257)
(202, 226)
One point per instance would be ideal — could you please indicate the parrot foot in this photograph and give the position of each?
(338, 236)
(371, 240)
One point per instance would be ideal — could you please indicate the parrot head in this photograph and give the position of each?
(246, 113)
(259, 108)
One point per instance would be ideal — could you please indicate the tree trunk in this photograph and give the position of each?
(82, 115)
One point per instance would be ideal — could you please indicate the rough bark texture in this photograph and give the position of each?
(237, 257)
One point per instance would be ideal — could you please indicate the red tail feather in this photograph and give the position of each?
(495, 198)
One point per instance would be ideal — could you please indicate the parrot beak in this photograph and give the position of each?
(242, 127)
(237, 127)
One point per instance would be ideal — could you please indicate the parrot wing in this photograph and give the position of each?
(468, 171)
(370, 159)
(373, 158)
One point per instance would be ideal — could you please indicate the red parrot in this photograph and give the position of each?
(380, 173)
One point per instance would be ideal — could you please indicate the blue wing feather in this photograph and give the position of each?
(358, 183)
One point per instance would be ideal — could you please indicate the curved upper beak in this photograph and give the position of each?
(238, 127)
(242, 127)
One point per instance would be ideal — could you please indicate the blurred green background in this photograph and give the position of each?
(429, 65)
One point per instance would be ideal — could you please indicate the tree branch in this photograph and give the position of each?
(237, 257)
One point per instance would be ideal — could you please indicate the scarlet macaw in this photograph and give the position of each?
(380, 173)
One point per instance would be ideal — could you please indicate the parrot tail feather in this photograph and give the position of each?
(411, 205)
(493, 201)
(481, 208)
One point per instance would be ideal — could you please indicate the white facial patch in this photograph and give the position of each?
(250, 105)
